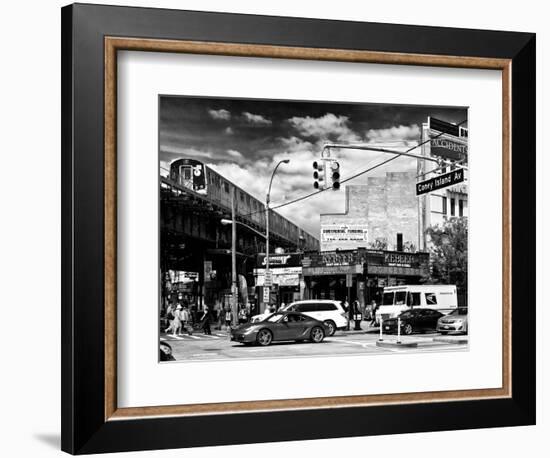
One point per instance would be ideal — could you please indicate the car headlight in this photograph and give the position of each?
(249, 331)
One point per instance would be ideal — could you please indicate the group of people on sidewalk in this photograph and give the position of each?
(181, 319)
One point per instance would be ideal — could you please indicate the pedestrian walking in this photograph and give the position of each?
(185, 317)
(374, 307)
(205, 319)
(228, 318)
(221, 318)
(175, 324)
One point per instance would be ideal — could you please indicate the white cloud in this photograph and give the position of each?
(234, 153)
(395, 133)
(229, 131)
(178, 151)
(256, 119)
(324, 127)
(220, 114)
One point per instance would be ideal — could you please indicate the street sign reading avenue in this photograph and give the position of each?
(441, 181)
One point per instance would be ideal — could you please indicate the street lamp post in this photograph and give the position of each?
(267, 199)
(234, 290)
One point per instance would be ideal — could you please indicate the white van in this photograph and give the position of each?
(397, 299)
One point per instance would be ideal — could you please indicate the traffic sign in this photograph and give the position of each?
(443, 126)
(439, 182)
(268, 278)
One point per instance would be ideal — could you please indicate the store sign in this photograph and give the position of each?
(448, 149)
(279, 271)
(282, 276)
(344, 233)
(267, 294)
(439, 182)
(182, 276)
(335, 258)
(400, 259)
(290, 259)
(332, 270)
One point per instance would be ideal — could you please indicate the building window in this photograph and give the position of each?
(452, 207)
(444, 205)
(460, 207)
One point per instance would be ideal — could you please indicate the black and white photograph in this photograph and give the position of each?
(292, 228)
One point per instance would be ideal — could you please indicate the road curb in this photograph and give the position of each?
(395, 344)
(450, 340)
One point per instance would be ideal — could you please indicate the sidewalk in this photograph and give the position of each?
(365, 329)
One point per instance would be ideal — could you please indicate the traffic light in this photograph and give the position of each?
(318, 175)
(335, 175)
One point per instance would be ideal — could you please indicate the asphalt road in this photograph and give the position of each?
(218, 346)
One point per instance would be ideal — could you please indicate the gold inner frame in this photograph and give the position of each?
(114, 44)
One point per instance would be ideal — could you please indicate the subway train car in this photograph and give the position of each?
(190, 174)
(196, 176)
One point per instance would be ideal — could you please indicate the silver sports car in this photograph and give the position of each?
(280, 326)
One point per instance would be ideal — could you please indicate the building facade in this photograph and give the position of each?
(451, 202)
(381, 214)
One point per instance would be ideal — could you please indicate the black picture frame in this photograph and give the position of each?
(84, 427)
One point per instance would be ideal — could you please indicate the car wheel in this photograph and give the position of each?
(443, 333)
(317, 334)
(331, 325)
(408, 329)
(264, 337)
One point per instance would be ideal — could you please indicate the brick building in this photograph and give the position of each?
(375, 214)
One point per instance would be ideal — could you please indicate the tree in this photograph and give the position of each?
(379, 244)
(449, 254)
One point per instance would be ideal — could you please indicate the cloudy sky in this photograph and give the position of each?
(243, 140)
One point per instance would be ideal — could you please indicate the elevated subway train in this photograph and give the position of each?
(196, 176)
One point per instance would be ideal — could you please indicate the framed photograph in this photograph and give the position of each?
(286, 229)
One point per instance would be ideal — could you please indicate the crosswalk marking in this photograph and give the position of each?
(168, 337)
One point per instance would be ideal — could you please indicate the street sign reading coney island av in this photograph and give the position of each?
(439, 182)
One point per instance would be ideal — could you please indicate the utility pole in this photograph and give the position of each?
(267, 200)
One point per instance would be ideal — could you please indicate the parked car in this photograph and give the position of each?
(280, 326)
(455, 322)
(415, 320)
(331, 313)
